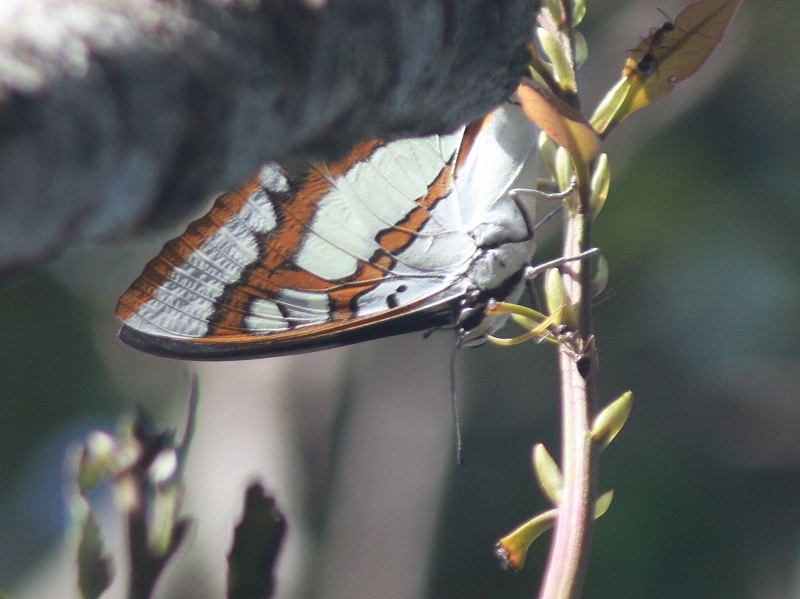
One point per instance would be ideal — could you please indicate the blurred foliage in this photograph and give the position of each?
(53, 387)
(44, 329)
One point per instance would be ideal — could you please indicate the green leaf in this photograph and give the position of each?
(557, 299)
(548, 474)
(166, 506)
(565, 171)
(601, 181)
(559, 59)
(600, 276)
(578, 12)
(603, 503)
(547, 152)
(97, 459)
(612, 108)
(581, 49)
(611, 419)
(94, 569)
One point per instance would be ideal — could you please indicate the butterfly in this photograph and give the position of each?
(395, 237)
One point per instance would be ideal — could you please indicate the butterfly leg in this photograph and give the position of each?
(531, 272)
(535, 194)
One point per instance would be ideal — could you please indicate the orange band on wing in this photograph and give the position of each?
(392, 241)
(470, 134)
(175, 252)
(266, 280)
(286, 239)
(262, 280)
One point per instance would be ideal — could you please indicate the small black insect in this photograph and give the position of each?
(647, 63)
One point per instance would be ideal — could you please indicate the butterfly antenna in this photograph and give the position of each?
(454, 399)
(547, 218)
(191, 421)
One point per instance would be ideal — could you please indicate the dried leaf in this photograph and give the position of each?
(676, 50)
(565, 125)
(667, 56)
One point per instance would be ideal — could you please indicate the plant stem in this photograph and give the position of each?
(566, 566)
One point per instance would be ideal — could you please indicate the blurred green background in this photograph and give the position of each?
(701, 232)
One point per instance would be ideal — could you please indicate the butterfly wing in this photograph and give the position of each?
(375, 244)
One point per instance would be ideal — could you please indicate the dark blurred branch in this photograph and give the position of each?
(256, 546)
(140, 497)
(118, 115)
(146, 568)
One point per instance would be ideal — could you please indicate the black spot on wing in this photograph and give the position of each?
(393, 299)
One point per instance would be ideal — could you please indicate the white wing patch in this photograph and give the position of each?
(494, 161)
(401, 290)
(304, 307)
(265, 317)
(257, 213)
(372, 197)
(185, 300)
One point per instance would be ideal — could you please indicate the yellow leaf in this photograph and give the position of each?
(565, 125)
(610, 420)
(548, 474)
(557, 300)
(603, 503)
(512, 549)
(675, 50)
